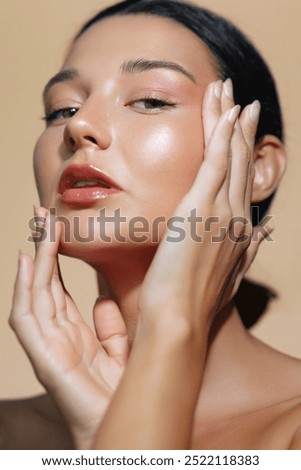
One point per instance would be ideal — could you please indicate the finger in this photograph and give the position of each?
(57, 285)
(23, 285)
(211, 109)
(260, 233)
(110, 329)
(39, 220)
(43, 302)
(240, 172)
(21, 319)
(59, 294)
(249, 123)
(214, 169)
(227, 100)
(47, 248)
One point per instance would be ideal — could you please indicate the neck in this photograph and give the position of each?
(231, 354)
(122, 281)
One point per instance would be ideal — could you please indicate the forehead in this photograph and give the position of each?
(117, 38)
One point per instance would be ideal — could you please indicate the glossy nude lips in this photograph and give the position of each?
(84, 185)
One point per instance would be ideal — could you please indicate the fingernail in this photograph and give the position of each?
(41, 212)
(254, 111)
(218, 88)
(41, 216)
(233, 113)
(228, 88)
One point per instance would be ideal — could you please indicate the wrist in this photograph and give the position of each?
(83, 439)
(172, 330)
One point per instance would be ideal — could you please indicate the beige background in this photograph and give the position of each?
(33, 37)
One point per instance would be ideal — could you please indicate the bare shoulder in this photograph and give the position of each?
(284, 411)
(32, 423)
(272, 418)
(292, 421)
(280, 422)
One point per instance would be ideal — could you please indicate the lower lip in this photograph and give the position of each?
(85, 197)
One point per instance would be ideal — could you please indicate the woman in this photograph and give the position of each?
(139, 131)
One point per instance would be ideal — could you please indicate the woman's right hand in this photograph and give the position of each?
(79, 369)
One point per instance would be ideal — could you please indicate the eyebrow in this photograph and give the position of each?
(143, 65)
(62, 76)
(128, 68)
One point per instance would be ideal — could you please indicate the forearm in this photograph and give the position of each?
(154, 405)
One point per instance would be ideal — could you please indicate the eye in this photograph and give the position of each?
(60, 114)
(149, 104)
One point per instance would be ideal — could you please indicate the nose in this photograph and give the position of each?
(87, 127)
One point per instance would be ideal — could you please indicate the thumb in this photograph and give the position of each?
(110, 329)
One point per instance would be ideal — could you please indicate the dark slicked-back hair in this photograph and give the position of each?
(235, 56)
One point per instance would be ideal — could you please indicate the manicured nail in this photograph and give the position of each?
(228, 88)
(254, 111)
(233, 113)
(218, 88)
(41, 212)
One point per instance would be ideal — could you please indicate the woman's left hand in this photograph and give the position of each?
(187, 284)
(194, 278)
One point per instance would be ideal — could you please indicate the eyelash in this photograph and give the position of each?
(55, 114)
(59, 113)
(158, 103)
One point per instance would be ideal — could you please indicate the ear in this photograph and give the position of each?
(270, 164)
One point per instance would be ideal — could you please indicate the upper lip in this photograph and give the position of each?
(74, 173)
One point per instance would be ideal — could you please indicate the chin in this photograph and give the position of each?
(99, 251)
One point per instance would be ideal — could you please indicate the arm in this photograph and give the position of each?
(154, 404)
(186, 285)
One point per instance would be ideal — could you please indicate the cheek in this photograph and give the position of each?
(46, 165)
(169, 156)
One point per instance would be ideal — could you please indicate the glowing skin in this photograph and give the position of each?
(152, 154)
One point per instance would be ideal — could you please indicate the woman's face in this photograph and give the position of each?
(128, 104)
